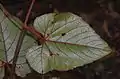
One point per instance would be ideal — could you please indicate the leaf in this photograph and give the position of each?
(8, 34)
(70, 42)
(10, 28)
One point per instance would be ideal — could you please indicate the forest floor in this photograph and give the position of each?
(102, 15)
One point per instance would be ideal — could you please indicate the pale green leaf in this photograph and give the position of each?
(9, 33)
(10, 28)
(71, 42)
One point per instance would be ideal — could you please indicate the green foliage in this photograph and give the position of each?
(10, 28)
(71, 43)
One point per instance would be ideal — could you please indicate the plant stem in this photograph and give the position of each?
(19, 43)
(17, 50)
(28, 13)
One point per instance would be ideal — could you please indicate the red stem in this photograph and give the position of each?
(37, 34)
(28, 13)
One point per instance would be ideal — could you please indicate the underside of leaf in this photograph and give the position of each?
(10, 28)
(70, 42)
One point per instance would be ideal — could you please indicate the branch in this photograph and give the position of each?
(19, 43)
(28, 13)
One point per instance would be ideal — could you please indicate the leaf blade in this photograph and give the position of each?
(70, 43)
(10, 28)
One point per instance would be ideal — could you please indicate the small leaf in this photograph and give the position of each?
(70, 43)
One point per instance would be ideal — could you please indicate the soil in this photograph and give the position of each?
(102, 15)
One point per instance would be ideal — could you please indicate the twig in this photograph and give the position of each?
(28, 13)
(19, 43)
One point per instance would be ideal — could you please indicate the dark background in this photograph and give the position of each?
(102, 15)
